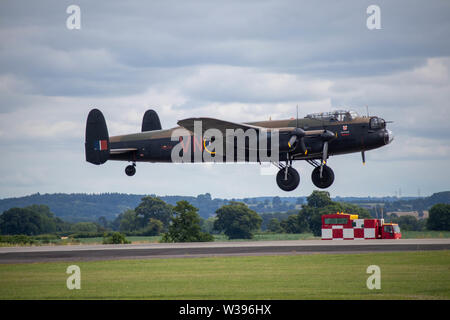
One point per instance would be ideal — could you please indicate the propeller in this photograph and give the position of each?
(326, 136)
(363, 156)
(297, 137)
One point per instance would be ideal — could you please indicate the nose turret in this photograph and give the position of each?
(388, 136)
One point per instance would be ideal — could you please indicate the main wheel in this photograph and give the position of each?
(292, 181)
(130, 170)
(327, 177)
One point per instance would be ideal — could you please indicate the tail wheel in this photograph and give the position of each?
(130, 170)
(289, 181)
(327, 177)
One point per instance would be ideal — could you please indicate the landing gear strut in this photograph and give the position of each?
(322, 179)
(287, 177)
(130, 170)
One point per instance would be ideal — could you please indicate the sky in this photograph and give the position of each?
(234, 60)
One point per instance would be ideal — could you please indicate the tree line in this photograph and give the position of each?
(182, 222)
(92, 207)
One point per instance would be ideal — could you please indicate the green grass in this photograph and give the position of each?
(425, 234)
(217, 237)
(404, 275)
(270, 237)
(263, 236)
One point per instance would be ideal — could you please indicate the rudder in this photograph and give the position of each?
(151, 121)
(97, 138)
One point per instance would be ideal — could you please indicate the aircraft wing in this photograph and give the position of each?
(211, 123)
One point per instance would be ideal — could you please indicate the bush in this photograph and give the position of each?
(116, 238)
(17, 239)
(88, 234)
(46, 238)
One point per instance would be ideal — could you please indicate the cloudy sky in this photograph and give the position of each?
(235, 60)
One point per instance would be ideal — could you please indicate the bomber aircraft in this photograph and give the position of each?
(313, 138)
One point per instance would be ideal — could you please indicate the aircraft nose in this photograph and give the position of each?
(388, 136)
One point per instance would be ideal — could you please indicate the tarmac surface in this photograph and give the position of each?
(211, 249)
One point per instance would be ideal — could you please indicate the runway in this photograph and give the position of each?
(208, 249)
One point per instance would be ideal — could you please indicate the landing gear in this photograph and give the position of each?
(327, 177)
(287, 177)
(130, 170)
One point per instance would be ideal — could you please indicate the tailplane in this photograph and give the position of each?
(97, 138)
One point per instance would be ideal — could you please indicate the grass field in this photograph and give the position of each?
(425, 234)
(404, 275)
(217, 237)
(263, 236)
(277, 236)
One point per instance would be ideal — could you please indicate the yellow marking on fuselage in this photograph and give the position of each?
(204, 145)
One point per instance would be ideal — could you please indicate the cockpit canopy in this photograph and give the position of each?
(337, 115)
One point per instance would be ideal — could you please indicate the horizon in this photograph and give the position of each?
(235, 61)
(212, 197)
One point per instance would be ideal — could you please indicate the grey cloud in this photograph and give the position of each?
(231, 59)
(119, 42)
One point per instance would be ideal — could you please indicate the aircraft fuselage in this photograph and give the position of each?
(351, 136)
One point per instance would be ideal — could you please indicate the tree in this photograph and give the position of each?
(129, 221)
(237, 221)
(204, 197)
(153, 207)
(408, 223)
(439, 217)
(31, 220)
(47, 219)
(290, 225)
(274, 226)
(102, 222)
(185, 225)
(20, 221)
(207, 225)
(154, 228)
(319, 199)
(84, 227)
